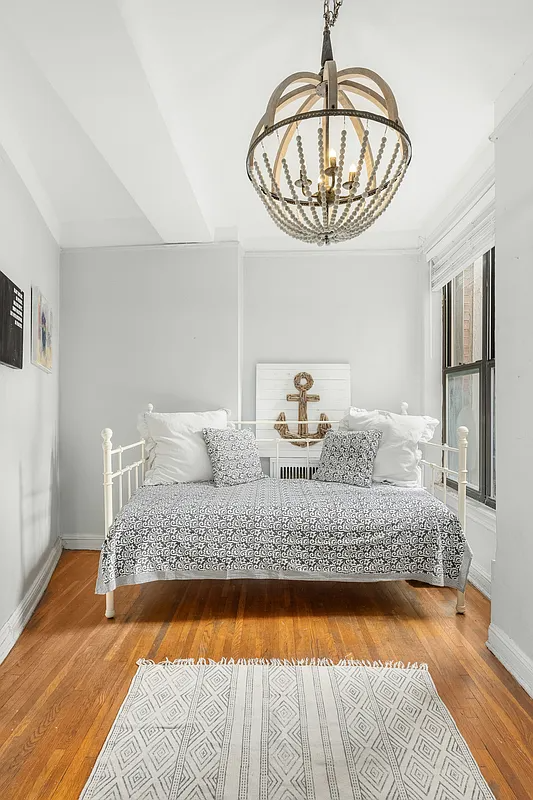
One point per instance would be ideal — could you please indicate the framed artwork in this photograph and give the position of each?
(11, 323)
(41, 330)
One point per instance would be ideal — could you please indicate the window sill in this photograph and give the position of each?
(477, 512)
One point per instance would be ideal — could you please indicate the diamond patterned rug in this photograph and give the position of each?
(276, 730)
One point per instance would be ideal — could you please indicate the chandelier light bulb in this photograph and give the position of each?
(358, 113)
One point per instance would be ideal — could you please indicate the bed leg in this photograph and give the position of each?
(461, 603)
(110, 605)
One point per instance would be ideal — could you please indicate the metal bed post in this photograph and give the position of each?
(462, 440)
(107, 433)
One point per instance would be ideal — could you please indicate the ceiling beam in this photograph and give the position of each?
(86, 54)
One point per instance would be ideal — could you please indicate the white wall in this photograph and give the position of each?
(338, 307)
(511, 634)
(139, 325)
(28, 403)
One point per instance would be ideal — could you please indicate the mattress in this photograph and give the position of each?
(290, 529)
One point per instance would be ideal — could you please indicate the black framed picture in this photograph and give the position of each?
(11, 323)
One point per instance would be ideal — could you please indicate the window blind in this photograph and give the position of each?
(475, 239)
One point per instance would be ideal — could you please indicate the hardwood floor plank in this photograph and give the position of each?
(63, 683)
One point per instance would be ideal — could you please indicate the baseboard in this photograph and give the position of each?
(479, 578)
(11, 630)
(512, 657)
(82, 541)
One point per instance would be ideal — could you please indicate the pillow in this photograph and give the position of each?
(398, 457)
(234, 456)
(348, 457)
(175, 445)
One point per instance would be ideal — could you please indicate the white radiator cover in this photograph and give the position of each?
(292, 468)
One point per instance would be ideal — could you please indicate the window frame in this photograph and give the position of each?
(483, 367)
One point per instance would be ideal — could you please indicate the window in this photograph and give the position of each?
(468, 373)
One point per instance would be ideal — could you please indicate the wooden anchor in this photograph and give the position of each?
(303, 381)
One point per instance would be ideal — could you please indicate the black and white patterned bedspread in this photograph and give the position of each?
(284, 529)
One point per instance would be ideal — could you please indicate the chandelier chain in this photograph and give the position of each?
(331, 12)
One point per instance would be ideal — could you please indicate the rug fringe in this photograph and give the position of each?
(284, 662)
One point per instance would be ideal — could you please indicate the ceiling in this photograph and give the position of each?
(129, 120)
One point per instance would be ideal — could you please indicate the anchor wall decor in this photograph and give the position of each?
(303, 382)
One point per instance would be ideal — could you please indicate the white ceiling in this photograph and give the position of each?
(129, 120)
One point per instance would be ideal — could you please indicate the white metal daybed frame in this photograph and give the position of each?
(139, 467)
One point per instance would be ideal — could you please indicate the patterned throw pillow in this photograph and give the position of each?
(348, 457)
(234, 456)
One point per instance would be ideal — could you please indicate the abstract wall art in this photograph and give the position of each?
(41, 330)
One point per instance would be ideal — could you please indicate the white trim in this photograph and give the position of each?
(479, 578)
(512, 657)
(331, 252)
(240, 328)
(511, 115)
(82, 541)
(476, 193)
(469, 243)
(164, 246)
(398, 251)
(11, 630)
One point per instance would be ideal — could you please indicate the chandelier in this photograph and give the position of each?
(316, 198)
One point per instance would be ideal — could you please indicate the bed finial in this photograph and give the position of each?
(462, 433)
(150, 408)
(107, 435)
(404, 407)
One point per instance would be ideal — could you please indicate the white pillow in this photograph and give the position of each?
(175, 445)
(398, 457)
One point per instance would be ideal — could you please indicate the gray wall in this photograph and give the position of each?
(174, 325)
(28, 403)
(140, 325)
(512, 598)
(366, 310)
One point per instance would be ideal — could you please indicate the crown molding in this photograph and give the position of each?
(513, 113)
(243, 252)
(162, 246)
(475, 194)
(321, 253)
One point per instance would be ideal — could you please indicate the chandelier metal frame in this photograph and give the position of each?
(316, 217)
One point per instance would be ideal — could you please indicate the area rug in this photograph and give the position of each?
(279, 730)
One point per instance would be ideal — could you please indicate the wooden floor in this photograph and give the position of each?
(62, 684)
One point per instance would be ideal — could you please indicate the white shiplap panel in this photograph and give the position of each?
(287, 370)
(331, 390)
(275, 381)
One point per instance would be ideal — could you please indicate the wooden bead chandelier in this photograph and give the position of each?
(317, 199)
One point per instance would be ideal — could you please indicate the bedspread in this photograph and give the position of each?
(295, 529)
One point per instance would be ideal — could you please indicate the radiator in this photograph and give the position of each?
(292, 468)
